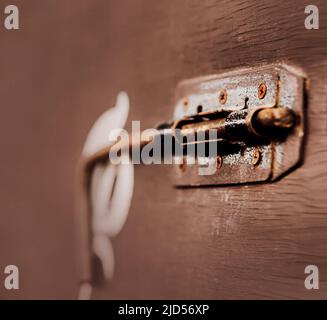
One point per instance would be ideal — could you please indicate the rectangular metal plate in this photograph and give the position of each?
(284, 88)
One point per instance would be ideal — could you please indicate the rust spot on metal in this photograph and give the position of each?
(182, 166)
(219, 162)
(223, 96)
(185, 104)
(262, 90)
(256, 158)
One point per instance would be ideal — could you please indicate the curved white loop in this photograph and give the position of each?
(111, 186)
(114, 118)
(109, 215)
(103, 249)
(102, 182)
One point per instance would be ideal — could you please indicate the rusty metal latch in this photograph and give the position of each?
(259, 119)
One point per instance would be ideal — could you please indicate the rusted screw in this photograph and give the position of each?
(223, 96)
(182, 166)
(256, 158)
(262, 90)
(185, 104)
(219, 162)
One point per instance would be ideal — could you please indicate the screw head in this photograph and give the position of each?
(219, 162)
(185, 104)
(256, 157)
(262, 90)
(223, 96)
(182, 166)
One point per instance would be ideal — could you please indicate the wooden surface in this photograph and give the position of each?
(65, 67)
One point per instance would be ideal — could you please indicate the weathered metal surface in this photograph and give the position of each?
(246, 89)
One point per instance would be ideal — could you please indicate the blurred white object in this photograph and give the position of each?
(113, 118)
(111, 185)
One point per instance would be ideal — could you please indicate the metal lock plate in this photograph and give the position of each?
(269, 87)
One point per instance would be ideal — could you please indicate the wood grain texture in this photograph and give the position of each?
(65, 67)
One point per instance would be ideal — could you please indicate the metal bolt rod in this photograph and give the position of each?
(237, 126)
(244, 124)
